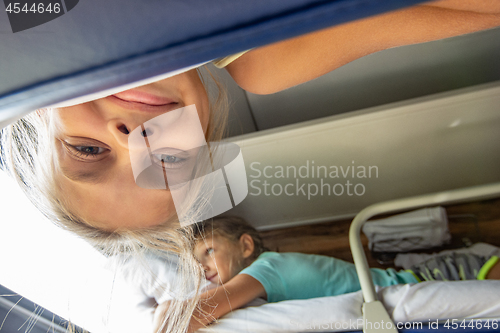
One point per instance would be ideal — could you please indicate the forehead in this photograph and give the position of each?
(117, 204)
(206, 241)
(211, 241)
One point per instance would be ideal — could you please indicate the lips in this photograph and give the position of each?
(138, 100)
(210, 278)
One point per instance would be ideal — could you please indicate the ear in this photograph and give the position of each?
(247, 245)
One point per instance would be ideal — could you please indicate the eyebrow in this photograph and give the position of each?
(92, 177)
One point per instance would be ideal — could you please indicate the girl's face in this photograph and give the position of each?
(96, 181)
(221, 258)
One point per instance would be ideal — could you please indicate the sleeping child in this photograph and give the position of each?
(234, 258)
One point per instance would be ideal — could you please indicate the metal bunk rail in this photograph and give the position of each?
(375, 317)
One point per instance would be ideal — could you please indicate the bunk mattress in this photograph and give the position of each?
(439, 306)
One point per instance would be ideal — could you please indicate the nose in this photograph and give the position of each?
(120, 130)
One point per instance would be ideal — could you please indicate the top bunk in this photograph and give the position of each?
(94, 46)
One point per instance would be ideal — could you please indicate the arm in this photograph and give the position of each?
(288, 63)
(221, 300)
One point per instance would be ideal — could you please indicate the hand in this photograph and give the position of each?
(194, 325)
(159, 315)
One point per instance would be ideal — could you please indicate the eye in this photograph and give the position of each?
(147, 132)
(85, 152)
(174, 159)
(210, 251)
(170, 159)
(90, 150)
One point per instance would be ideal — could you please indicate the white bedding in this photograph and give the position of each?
(419, 302)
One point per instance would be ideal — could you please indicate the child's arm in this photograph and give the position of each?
(288, 63)
(219, 301)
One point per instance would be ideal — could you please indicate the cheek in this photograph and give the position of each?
(219, 260)
(210, 262)
(221, 263)
(195, 93)
(204, 123)
(203, 109)
(233, 266)
(78, 120)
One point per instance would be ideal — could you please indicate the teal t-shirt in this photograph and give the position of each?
(287, 276)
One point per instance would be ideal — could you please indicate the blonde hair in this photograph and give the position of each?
(28, 155)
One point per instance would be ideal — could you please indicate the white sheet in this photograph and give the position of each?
(419, 302)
